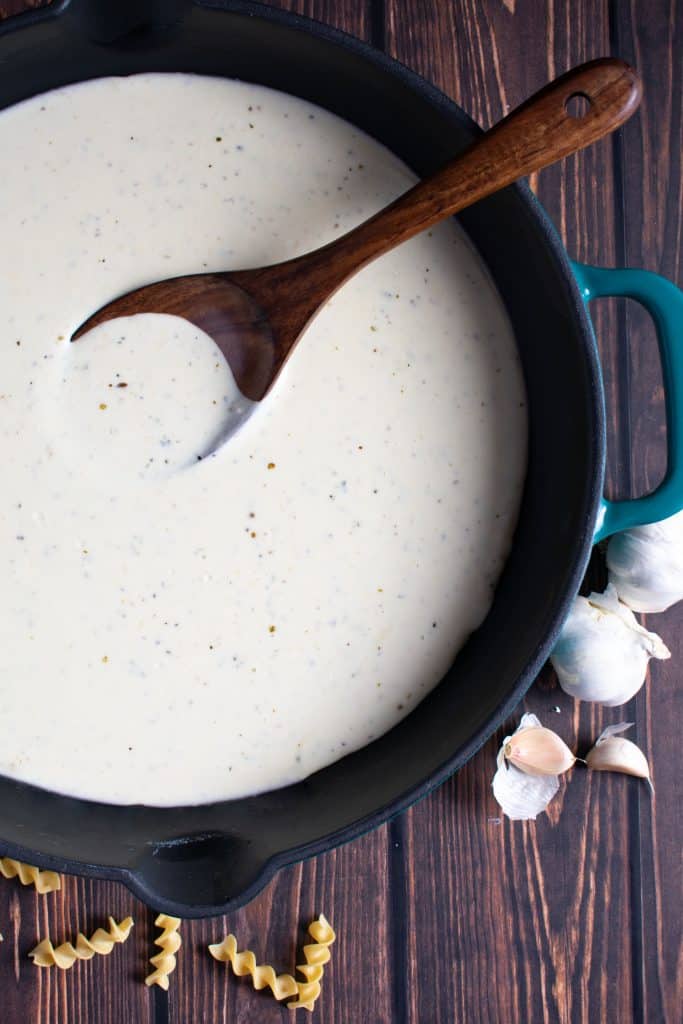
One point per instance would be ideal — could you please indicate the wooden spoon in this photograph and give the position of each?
(257, 316)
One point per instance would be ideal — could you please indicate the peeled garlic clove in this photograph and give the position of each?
(646, 565)
(613, 753)
(603, 652)
(538, 751)
(520, 795)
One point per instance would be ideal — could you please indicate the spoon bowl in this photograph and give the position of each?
(229, 315)
(220, 308)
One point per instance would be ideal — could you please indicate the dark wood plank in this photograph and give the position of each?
(106, 989)
(531, 922)
(651, 36)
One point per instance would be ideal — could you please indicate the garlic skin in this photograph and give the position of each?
(536, 750)
(613, 753)
(646, 565)
(522, 796)
(603, 651)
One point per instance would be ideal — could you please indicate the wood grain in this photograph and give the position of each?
(652, 183)
(451, 914)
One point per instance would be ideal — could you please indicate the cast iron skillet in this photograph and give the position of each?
(196, 861)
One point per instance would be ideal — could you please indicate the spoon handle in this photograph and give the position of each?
(541, 131)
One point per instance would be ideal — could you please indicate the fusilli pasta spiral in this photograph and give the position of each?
(44, 881)
(316, 954)
(262, 975)
(170, 942)
(66, 955)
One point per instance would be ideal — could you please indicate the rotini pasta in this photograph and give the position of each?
(262, 975)
(316, 954)
(66, 955)
(44, 881)
(170, 942)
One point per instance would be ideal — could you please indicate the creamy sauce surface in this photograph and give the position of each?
(182, 629)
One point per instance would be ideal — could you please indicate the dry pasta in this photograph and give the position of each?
(316, 955)
(66, 955)
(170, 942)
(44, 881)
(262, 975)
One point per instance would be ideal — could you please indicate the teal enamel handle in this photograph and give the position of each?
(664, 302)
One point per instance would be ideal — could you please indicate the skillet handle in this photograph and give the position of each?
(664, 302)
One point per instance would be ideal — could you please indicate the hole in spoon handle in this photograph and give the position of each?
(543, 130)
(578, 108)
(578, 104)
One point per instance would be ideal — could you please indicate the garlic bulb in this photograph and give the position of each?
(522, 796)
(603, 651)
(613, 753)
(646, 565)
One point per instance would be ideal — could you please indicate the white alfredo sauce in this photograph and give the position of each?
(176, 630)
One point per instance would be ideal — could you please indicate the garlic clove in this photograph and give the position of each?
(614, 753)
(522, 796)
(602, 652)
(538, 751)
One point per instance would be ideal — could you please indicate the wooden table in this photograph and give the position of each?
(450, 914)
